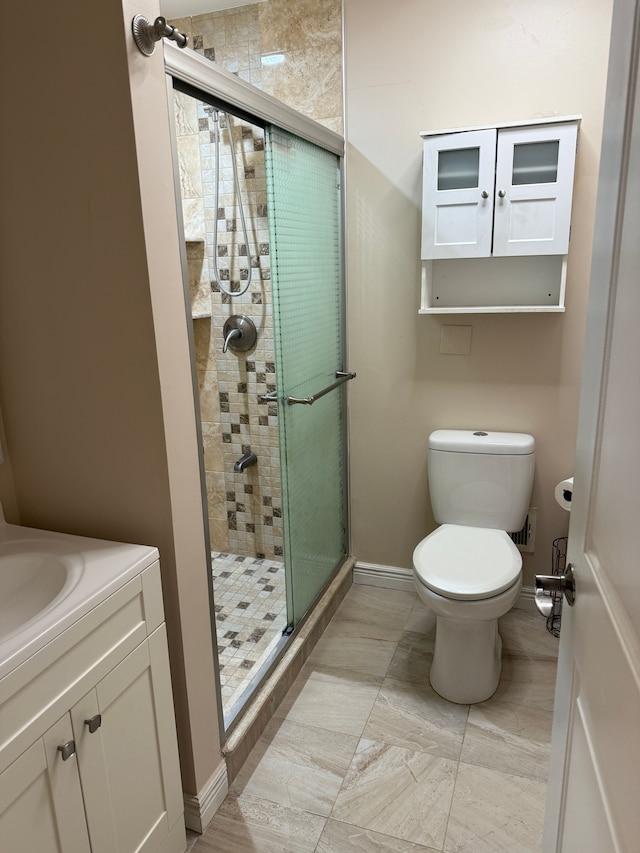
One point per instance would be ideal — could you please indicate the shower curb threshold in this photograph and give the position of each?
(254, 721)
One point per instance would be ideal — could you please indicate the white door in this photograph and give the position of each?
(594, 788)
(457, 194)
(534, 184)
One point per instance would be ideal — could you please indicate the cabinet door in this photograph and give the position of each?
(129, 763)
(41, 806)
(457, 194)
(534, 182)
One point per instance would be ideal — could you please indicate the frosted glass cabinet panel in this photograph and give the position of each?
(458, 168)
(498, 192)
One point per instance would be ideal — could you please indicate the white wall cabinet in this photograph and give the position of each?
(495, 193)
(118, 790)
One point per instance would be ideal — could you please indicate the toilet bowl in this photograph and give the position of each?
(467, 603)
(468, 572)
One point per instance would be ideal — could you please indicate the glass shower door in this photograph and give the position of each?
(303, 194)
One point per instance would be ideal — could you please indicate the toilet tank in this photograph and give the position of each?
(481, 479)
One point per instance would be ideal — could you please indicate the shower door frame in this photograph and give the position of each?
(200, 76)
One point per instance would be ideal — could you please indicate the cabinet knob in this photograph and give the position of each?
(501, 193)
(484, 194)
(67, 749)
(94, 723)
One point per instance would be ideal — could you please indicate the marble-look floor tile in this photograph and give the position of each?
(413, 658)
(248, 824)
(297, 765)
(413, 716)
(339, 700)
(421, 620)
(527, 682)
(372, 612)
(355, 653)
(344, 838)
(512, 738)
(397, 792)
(495, 812)
(524, 634)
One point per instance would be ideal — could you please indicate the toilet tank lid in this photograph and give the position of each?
(482, 441)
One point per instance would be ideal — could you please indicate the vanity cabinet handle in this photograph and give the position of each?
(94, 723)
(67, 749)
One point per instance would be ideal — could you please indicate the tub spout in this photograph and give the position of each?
(245, 461)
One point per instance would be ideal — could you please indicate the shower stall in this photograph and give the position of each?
(261, 202)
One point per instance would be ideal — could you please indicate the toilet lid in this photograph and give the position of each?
(467, 562)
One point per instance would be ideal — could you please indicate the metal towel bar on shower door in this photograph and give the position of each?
(342, 376)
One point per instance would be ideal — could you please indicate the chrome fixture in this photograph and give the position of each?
(269, 397)
(216, 274)
(67, 749)
(245, 461)
(94, 723)
(146, 34)
(563, 584)
(342, 376)
(239, 333)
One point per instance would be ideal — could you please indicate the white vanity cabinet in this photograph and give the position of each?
(88, 751)
(494, 193)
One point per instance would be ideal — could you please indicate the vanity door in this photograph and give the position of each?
(127, 753)
(41, 807)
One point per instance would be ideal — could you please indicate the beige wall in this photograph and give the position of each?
(95, 384)
(416, 66)
(7, 490)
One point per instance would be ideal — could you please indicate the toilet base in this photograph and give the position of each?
(467, 660)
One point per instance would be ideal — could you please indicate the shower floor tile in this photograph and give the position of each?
(251, 614)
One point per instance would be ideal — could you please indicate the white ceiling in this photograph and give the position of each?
(185, 8)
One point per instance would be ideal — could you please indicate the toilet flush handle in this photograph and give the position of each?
(555, 583)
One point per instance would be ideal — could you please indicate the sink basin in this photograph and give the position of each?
(30, 582)
(49, 580)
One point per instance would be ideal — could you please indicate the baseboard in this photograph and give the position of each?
(200, 808)
(527, 600)
(388, 577)
(393, 577)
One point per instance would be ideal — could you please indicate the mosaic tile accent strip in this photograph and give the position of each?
(251, 614)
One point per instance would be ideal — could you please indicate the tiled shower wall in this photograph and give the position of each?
(291, 49)
(245, 510)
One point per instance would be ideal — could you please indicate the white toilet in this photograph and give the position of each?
(468, 571)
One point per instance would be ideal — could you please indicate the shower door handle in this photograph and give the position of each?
(342, 376)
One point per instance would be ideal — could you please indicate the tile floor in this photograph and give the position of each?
(363, 756)
(251, 614)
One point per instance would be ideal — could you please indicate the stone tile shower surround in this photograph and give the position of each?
(291, 49)
(244, 510)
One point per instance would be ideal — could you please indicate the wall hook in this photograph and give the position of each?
(146, 34)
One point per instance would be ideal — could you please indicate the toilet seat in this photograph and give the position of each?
(467, 563)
